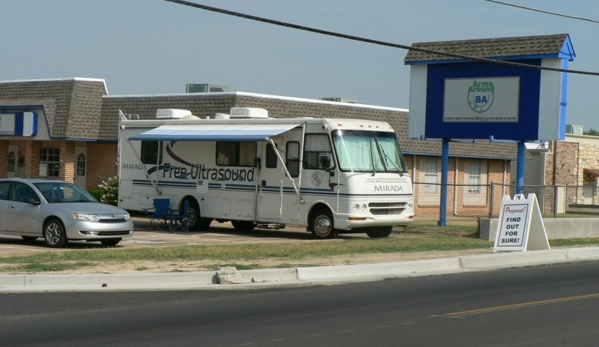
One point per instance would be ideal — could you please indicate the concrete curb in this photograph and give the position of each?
(365, 272)
(292, 276)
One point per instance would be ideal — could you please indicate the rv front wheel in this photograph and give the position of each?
(377, 232)
(322, 225)
(196, 222)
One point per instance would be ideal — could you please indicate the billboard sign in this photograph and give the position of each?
(482, 100)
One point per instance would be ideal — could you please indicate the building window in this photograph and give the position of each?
(235, 153)
(429, 187)
(475, 192)
(81, 164)
(12, 162)
(50, 157)
(431, 176)
(474, 177)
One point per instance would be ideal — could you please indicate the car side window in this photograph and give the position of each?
(4, 186)
(22, 192)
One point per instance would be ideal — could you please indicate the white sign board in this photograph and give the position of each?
(493, 100)
(520, 225)
(7, 124)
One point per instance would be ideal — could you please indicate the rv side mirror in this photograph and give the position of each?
(325, 162)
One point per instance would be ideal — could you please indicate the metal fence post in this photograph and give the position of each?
(554, 201)
(492, 204)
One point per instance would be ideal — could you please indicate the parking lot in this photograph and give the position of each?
(219, 233)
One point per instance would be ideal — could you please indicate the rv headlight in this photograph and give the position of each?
(86, 217)
(362, 207)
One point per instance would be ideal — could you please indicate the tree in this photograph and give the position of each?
(592, 132)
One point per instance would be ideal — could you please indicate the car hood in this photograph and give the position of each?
(88, 207)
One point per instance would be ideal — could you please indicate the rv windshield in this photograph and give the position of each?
(368, 151)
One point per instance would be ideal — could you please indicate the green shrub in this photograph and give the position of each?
(96, 193)
(109, 191)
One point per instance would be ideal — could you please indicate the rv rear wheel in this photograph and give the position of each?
(243, 225)
(321, 224)
(196, 223)
(375, 232)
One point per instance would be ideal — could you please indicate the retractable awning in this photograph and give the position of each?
(214, 132)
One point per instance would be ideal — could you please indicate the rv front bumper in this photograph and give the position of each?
(348, 221)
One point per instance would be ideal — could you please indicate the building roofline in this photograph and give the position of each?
(83, 79)
(264, 96)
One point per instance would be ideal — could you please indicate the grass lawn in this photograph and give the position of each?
(419, 237)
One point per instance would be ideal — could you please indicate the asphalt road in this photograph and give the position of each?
(535, 306)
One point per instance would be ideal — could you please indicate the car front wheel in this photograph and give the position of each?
(55, 234)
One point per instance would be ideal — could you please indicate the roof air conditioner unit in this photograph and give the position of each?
(248, 112)
(574, 129)
(171, 113)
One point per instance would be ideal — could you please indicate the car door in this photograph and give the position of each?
(22, 216)
(4, 186)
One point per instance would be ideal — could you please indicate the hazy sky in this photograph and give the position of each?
(156, 47)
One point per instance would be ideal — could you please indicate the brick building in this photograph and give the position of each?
(570, 166)
(76, 131)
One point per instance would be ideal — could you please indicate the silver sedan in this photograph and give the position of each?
(59, 211)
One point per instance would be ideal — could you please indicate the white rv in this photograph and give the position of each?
(330, 175)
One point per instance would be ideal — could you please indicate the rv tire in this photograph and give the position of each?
(321, 224)
(378, 232)
(243, 225)
(197, 223)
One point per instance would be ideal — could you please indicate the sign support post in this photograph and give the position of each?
(520, 167)
(444, 168)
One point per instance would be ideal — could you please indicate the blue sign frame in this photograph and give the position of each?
(530, 88)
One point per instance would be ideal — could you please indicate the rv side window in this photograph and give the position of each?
(292, 158)
(235, 153)
(271, 157)
(151, 152)
(317, 152)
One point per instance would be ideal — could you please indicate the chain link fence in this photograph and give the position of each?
(465, 203)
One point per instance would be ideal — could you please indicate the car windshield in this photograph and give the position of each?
(369, 151)
(59, 192)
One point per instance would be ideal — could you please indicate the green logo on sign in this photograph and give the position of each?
(480, 96)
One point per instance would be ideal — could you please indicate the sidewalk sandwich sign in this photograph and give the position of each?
(520, 226)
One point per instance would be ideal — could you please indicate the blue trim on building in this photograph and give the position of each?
(515, 58)
(563, 102)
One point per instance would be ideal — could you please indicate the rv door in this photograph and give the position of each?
(270, 183)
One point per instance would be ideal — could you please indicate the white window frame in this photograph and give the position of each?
(475, 173)
(429, 194)
(50, 157)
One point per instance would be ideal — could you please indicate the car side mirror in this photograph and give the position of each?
(33, 201)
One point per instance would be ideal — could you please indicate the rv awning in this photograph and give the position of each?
(214, 132)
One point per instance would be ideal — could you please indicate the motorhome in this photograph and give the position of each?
(330, 175)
